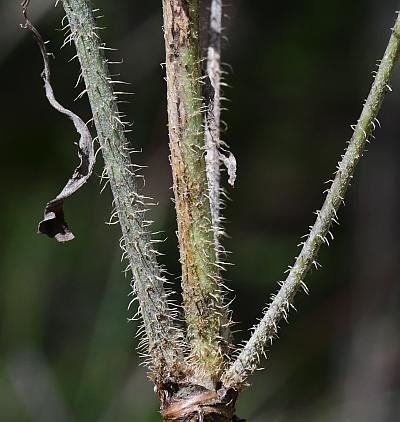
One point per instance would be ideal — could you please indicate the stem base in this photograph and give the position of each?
(194, 403)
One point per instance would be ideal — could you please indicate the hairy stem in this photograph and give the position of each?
(163, 338)
(202, 298)
(213, 114)
(248, 358)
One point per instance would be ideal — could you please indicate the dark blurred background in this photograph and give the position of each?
(298, 73)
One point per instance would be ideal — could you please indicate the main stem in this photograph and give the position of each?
(202, 299)
(163, 338)
(249, 357)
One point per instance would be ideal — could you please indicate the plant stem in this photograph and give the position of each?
(249, 357)
(213, 115)
(202, 299)
(163, 338)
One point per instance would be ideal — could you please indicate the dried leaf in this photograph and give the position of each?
(53, 223)
(230, 164)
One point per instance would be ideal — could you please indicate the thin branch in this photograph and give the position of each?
(164, 339)
(216, 149)
(249, 357)
(202, 299)
(213, 113)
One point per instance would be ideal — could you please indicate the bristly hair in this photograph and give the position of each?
(161, 340)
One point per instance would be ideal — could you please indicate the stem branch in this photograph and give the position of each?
(213, 114)
(249, 357)
(202, 299)
(163, 338)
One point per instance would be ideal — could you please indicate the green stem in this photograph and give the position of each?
(163, 338)
(202, 299)
(249, 357)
